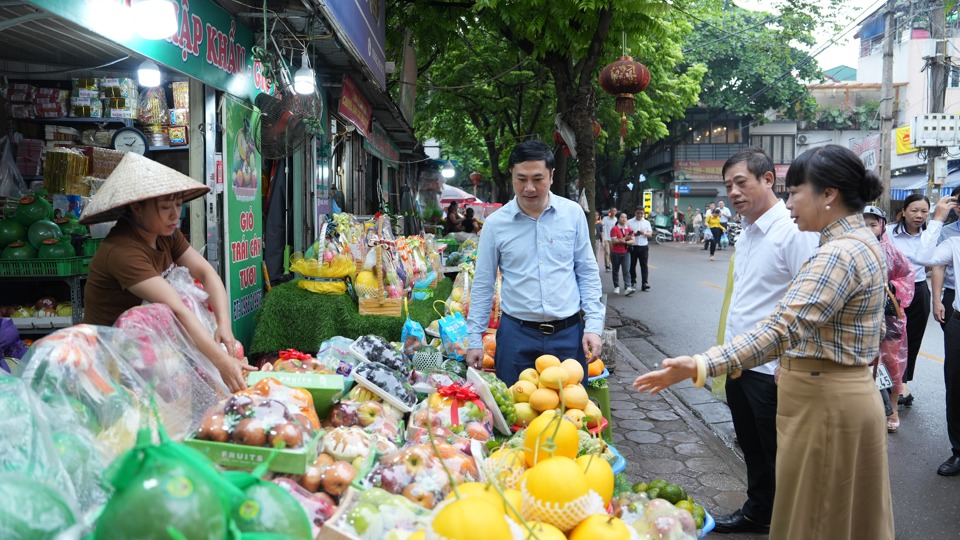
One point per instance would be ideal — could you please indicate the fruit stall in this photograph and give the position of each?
(128, 432)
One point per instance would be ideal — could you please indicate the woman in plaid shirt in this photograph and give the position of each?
(832, 475)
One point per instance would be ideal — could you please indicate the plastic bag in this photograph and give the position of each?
(351, 237)
(181, 487)
(193, 296)
(453, 334)
(412, 335)
(724, 241)
(456, 407)
(33, 510)
(335, 354)
(325, 268)
(160, 351)
(11, 182)
(459, 299)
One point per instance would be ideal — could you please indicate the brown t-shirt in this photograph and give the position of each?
(123, 260)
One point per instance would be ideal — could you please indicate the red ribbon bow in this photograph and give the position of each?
(293, 354)
(460, 393)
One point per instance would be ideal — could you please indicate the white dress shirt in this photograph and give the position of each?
(769, 253)
(909, 244)
(642, 226)
(725, 215)
(549, 269)
(946, 253)
(608, 224)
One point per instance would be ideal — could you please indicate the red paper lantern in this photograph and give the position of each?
(558, 139)
(624, 78)
(475, 177)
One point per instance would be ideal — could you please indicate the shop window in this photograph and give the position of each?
(781, 148)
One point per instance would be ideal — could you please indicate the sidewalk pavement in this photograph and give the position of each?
(683, 435)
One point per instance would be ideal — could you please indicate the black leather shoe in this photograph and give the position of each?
(950, 467)
(906, 401)
(739, 523)
(645, 287)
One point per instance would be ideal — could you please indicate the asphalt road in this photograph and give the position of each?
(680, 314)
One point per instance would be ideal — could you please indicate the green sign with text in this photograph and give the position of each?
(210, 46)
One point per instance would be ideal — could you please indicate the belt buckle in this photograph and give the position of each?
(545, 327)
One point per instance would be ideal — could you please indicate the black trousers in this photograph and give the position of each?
(917, 314)
(715, 241)
(752, 399)
(639, 254)
(951, 380)
(948, 296)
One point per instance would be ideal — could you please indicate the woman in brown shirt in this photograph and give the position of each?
(832, 475)
(145, 198)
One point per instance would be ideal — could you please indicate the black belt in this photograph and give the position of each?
(548, 327)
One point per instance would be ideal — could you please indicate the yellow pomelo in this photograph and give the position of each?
(521, 391)
(592, 411)
(554, 377)
(505, 467)
(472, 518)
(530, 375)
(554, 493)
(544, 399)
(574, 368)
(545, 361)
(574, 396)
(477, 489)
(599, 475)
(544, 531)
(600, 527)
(550, 435)
(366, 278)
(514, 497)
(418, 535)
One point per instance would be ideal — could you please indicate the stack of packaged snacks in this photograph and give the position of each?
(85, 99)
(120, 97)
(64, 169)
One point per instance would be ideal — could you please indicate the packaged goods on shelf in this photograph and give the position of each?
(102, 161)
(157, 134)
(62, 167)
(81, 107)
(153, 107)
(178, 135)
(20, 110)
(20, 93)
(61, 133)
(181, 94)
(118, 88)
(29, 157)
(97, 137)
(86, 83)
(180, 117)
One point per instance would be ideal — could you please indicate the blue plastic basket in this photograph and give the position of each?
(708, 525)
(620, 464)
(603, 375)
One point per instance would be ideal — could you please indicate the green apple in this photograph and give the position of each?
(375, 496)
(366, 520)
(456, 294)
(455, 307)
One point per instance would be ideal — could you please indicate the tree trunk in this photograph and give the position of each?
(580, 118)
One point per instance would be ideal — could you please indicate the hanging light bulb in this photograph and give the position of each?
(155, 19)
(148, 74)
(448, 171)
(304, 82)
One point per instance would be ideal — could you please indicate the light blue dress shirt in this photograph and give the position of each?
(548, 266)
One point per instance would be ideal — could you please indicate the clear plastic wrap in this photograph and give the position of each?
(459, 299)
(325, 267)
(193, 296)
(335, 354)
(893, 351)
(11, 182)
(414, 472)
(375, 514)
(163, 354)
(456, 407)
(254, 420)
(351, 237)
(33, 510)
(369, 415)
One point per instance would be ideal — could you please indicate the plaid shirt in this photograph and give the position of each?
(833, 310)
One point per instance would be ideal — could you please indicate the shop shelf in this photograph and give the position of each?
(69, 266)
(41, 323)
(167, 148)
(83, 120)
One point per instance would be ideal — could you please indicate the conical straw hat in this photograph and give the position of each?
(135, 179)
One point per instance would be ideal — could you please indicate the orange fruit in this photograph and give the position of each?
(543, 399)
(595, 368)
(488, 361)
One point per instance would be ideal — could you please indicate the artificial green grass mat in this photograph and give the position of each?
(295, 318)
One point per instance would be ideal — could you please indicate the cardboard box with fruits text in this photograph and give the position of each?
(325, 389)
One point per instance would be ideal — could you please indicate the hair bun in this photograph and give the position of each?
(871, 188)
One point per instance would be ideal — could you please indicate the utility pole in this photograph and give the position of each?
(938, 88)
(886, 105)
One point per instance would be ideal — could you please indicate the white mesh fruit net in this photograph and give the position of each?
(562, 516)
(504, 471)
(427, 359)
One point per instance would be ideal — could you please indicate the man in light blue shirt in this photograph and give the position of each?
(541, 245)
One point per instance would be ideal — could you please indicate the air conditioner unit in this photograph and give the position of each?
(801, 140)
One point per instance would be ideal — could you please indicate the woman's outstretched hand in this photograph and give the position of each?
(674, 370)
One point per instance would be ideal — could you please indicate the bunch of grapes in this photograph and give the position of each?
(503, 397)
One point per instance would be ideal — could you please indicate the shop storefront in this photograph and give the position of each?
(80, 93)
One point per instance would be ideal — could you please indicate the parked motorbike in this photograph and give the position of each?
(733, 231)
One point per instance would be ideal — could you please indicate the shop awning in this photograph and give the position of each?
(902, 186)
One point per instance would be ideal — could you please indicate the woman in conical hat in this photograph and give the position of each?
(145, 199)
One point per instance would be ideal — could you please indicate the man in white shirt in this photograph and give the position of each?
(640, 250)
(609, 221)
(769, 253)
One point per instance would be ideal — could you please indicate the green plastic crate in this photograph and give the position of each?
(69, 266)
(90, 246)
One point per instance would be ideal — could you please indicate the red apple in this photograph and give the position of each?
(344, 414)
(285, 435)
(312, 479)
(250, 432)
(337, 478)
(394, 479)
(325, 507)
(323, 460)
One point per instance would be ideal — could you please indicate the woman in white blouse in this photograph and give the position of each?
(905, 235)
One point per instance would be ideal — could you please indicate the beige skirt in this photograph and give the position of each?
(832, 477)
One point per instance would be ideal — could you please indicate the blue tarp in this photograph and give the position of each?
(902, 186)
